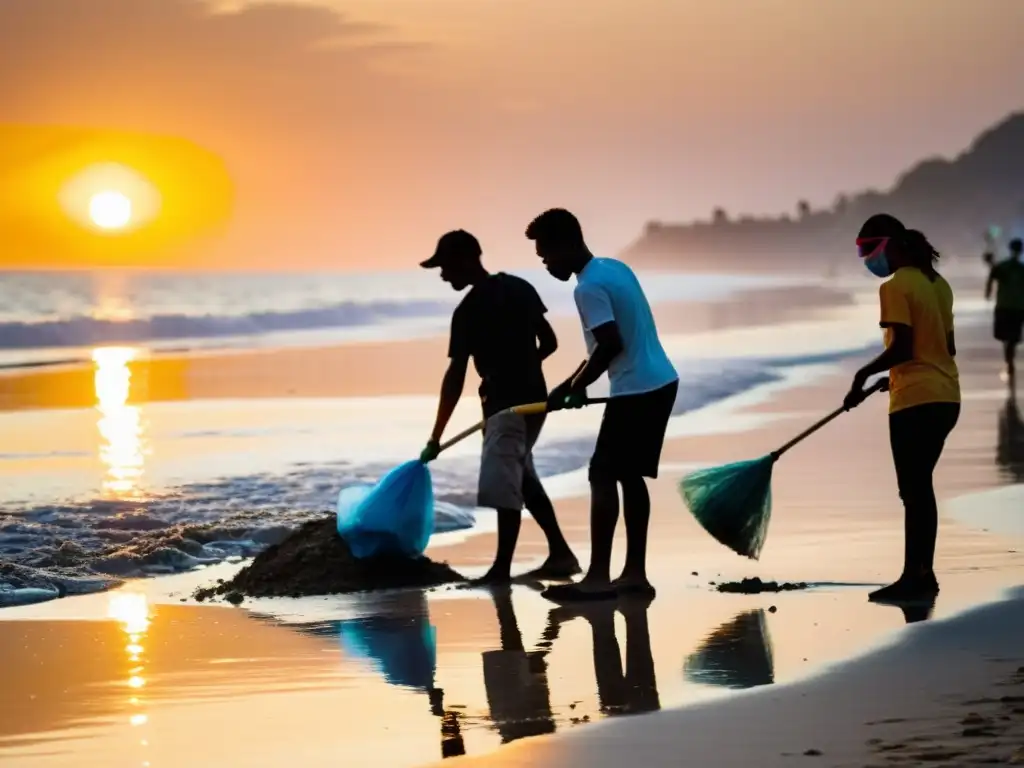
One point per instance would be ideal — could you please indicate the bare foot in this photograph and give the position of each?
(629, 584)
(557, 568)
(582, 591)
(906, 589)
(529, 581)
(494, 577)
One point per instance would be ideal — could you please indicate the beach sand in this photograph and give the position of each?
(947, 693)
(139, 677)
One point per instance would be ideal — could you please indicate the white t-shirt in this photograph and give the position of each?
(607, 290)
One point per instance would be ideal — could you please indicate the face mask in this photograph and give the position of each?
(878, 264)
(872, 251)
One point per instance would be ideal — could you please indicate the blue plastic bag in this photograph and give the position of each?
(393, 517)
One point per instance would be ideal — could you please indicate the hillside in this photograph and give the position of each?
(953, 200)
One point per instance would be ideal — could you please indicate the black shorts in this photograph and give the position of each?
(632, 434)
(1008, 325)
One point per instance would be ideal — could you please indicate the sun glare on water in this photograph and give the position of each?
(121, 428)
(110, 209)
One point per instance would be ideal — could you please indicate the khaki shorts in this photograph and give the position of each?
(507, 459)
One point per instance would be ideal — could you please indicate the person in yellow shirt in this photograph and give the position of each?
(924, 385)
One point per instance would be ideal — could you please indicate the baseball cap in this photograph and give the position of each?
(457, 244)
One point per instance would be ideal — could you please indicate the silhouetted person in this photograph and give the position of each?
(989, 255)
(622, 341)
(515, 679)
(924, 386)
(619, 692)
(1008, 321)
(500, 324)
(1010, 447)
(736, 655)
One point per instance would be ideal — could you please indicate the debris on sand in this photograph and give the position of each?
(755, 586)
(315, 560)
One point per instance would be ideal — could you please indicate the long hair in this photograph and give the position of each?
(922, 253)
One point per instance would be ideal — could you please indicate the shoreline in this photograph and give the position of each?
(300, 371)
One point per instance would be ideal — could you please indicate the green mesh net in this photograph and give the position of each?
(733, 503)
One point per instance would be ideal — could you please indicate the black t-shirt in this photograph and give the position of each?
(496, 324)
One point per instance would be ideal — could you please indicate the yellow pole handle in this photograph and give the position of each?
(525, 410)
(530, 409)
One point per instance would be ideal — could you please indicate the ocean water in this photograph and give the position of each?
(48, 317)
(176, 486)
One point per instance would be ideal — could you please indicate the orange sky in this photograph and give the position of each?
(357, 130)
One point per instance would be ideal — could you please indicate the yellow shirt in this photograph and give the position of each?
(910, 298)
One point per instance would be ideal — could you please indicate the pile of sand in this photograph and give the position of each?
(755, 586)
(315, 560)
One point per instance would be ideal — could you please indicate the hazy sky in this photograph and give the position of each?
(358, 130)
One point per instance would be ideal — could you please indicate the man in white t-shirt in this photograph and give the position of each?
(622, 341)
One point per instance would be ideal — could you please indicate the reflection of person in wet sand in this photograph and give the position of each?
(1010, 448)
(918, 612)
(736, 655)
(516, 680)
(400, 643)
(636, 690)
(452, 744)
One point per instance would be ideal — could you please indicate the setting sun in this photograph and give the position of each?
(81, 197)
(110, 210)
(111, 198)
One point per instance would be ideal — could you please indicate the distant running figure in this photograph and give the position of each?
(924, 385)
(500, 324)
(1008, 323)
(989, 256)
(622, 340)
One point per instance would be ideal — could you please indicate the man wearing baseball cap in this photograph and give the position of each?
(500, 324)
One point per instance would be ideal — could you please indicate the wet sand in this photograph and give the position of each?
(137, 677)
(948, 693)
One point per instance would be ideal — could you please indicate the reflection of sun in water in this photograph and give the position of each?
(131, 610)
(120, 424)
(110, 209)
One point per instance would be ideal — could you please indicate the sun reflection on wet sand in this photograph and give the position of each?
(131, 610)
(120, 424)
